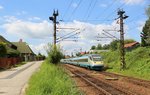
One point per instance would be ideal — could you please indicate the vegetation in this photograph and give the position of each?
(40, 56)
(137, 62)
(114, 45)
(51, 80)
(3, 50)
(93, 47)
(20, 64)
(54, 53)
(145, 34)
(148, 11)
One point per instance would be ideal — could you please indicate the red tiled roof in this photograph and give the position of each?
(130, 44)
(82, 53)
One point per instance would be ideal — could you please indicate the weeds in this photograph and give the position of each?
(51, 80)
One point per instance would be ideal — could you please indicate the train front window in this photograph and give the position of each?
(96, 59)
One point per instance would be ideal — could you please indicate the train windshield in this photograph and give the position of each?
(96, 58)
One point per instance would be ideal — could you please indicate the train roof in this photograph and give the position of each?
(84, 56)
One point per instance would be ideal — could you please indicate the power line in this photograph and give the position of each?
(110, 5)
(75, 9)
(90, 4)
(92, 20)
(67, 34)
(67, 9)
(90, 10)
(113, 12)
(67, 37)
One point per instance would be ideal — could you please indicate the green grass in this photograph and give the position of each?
(19, 64)
(137, 62)
(51, 80)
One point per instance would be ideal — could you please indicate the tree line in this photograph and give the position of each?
(114, 45)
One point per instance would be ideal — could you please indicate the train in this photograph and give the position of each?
(90, 61)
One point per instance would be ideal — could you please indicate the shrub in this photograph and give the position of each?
(54, 53)
(3, 50)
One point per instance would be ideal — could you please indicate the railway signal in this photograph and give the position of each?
(54, 19)
(122, 51)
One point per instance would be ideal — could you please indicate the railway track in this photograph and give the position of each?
(102, 85)
(139, 82)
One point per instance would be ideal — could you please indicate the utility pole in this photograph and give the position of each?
(54, 19)
(122, 51)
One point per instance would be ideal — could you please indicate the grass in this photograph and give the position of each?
(137, 62)
(14, 66)
(51, 80)
(19, 64)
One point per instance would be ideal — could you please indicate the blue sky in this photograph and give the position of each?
(28, 20)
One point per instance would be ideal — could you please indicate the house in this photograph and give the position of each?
(131, 46)
(25, 51)
(10, 57)
(10, 47)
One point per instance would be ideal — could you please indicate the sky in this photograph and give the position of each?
(89, 22)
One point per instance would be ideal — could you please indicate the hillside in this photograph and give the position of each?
(137, 62)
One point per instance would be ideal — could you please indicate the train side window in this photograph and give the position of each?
(90, 58)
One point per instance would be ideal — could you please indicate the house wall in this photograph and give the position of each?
(8, 62)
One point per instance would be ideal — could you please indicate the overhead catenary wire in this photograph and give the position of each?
(110, 5)
(79, 3)
(71, 1)
(67, 34)
(68, 37)
(89, 11)
(114, 12)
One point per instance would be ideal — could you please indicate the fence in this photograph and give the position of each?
(8, 62)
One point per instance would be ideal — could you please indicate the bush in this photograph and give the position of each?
(3, 50)
(54, 53)
(51, 80)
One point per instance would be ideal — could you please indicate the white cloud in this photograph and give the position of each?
(39, 48)
(28, 29)
(132, 2)
(21, 13)
(74, 5)
(1, 7)
(44, 29)
(34, 18)
(88, 35)
(140, 25)
(103, 5)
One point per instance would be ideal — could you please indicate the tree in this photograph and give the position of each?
(78, 54)
(129, 41)
(148, 11)
(114, 45)
(145, 34)
(106, 46)
(99, 47)
(3, 50)
(93, 47)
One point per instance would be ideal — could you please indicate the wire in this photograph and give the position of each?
(110, 5)
(75, 9)
(119, 7)
(92, 8)
(67, 34)
(67, 9)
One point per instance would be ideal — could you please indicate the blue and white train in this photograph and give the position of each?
(91, 61)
